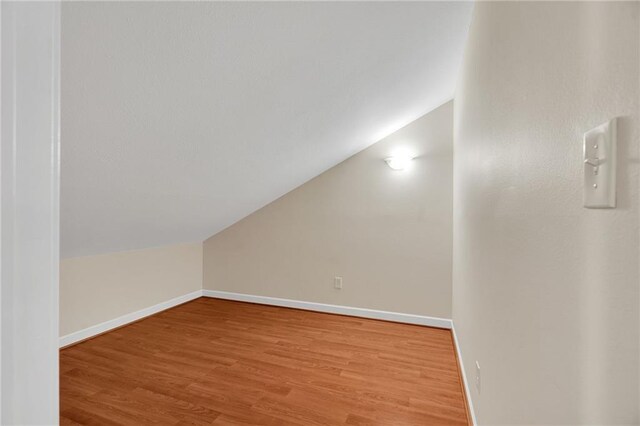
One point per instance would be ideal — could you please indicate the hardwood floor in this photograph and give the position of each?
(218, 362)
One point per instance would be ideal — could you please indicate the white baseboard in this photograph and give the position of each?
(332, 309)
(463, 373)
(126, 319)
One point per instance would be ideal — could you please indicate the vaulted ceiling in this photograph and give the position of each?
(180, 118)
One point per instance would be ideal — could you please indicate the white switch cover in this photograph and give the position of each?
(599, 151)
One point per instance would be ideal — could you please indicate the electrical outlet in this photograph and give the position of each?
(337, 283)
(478, 377)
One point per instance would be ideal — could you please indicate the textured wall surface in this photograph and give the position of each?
(545, 291)
(180, 118)
(387, 233)
(94, 289)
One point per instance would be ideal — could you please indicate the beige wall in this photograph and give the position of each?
(545, 291)
(387, 233)
(95, 289)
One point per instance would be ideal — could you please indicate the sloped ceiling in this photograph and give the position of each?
(179, 119)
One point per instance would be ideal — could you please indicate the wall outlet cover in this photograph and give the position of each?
(337, 283)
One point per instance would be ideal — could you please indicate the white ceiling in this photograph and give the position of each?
(179, 119)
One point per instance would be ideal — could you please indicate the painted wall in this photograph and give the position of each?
(29, 229)
(387, 233)
(95, 289)
(545, 292)
(182, 117)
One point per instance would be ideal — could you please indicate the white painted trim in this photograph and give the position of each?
(332, 309)
(126, 319)
(463, 373)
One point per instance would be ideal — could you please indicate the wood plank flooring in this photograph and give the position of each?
(219, 362)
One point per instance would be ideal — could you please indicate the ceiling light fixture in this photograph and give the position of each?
(398, 162)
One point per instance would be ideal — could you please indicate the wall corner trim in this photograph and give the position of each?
(463, 373)
(333, 309)
(103, 327)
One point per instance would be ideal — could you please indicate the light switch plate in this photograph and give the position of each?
(599, 152)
